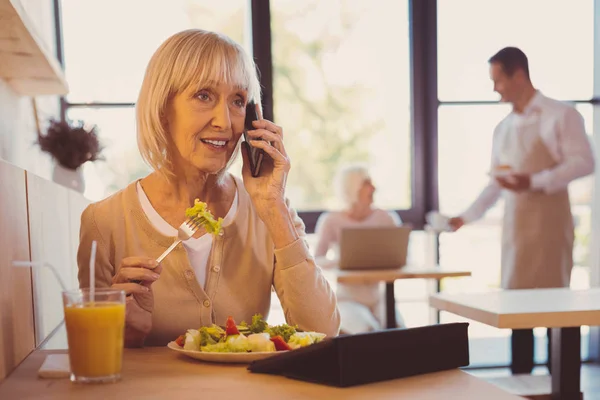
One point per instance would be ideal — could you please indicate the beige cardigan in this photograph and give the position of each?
(242, 268)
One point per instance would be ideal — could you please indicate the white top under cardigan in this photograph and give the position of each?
(198, 249)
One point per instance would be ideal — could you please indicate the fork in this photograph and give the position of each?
(186, 230)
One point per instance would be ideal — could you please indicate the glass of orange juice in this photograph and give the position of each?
(95, 333)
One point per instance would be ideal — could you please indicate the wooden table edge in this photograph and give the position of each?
(34, 360)
(391, 275)
(475, 314)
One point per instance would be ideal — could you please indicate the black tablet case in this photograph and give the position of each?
(350, 360)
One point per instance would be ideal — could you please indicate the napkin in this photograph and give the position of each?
(55, 366)
(438, 222)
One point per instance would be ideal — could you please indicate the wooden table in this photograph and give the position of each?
(563, 310)
(159, 373)
(389, 276)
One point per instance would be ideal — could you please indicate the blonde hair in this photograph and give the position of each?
(349, 180)
(192, 58)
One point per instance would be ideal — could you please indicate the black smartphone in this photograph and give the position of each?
(255, 155)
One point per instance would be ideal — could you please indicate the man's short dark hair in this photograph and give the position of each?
(511, 59)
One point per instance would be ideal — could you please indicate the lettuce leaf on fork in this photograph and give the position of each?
(199, 212)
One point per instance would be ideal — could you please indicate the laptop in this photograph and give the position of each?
(374, 247)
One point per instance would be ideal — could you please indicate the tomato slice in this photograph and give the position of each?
(280, 344)
(231, 327)
(180, 340)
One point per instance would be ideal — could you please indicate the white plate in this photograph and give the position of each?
(232, 358)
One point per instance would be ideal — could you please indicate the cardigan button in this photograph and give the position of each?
(189, 274)
(206, 303)
(216, 268)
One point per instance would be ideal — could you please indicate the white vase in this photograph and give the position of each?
(71, 178)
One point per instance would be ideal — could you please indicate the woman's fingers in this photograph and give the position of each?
(265, 134)
(268, 125)
(143, 262)
(270, 137)
(277, 157)
(138, 269)
(130, 288)
(135, 274)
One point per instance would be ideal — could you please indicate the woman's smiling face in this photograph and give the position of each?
(206, 124)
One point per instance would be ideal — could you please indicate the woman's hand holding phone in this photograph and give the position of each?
(267, 190)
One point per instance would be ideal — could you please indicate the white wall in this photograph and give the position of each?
(17, 124)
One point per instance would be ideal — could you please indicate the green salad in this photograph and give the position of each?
(255, 337)
(199, 213)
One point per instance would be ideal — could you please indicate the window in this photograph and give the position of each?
(363, 114)
(107, 47)
(109, 43)
(581, 192)
(122, 161)
(557, 36)
(464, 150)
(342, 94)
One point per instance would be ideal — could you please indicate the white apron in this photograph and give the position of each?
(538, 232)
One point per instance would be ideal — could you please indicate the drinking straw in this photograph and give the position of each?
(92, 273)
(40, 264)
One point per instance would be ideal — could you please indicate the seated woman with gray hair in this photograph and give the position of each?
(361, 306)
(190, 119)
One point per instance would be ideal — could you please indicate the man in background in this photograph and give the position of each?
(538, 149)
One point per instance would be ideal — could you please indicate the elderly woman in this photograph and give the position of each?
(361, 305)
(190, 117)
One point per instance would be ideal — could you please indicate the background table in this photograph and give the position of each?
(389, 276)
(563, 310)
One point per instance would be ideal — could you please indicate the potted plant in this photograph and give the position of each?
(71, 144)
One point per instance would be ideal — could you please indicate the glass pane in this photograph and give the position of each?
(557, 37)
(464, 151)
(342, 94)
(109, 43)
(465, 142)
(123, 163)
(581, 192)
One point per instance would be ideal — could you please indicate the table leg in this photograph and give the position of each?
(566, 363)
(522, 351)
(390, 306)
(434, 286)
(438, 288)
